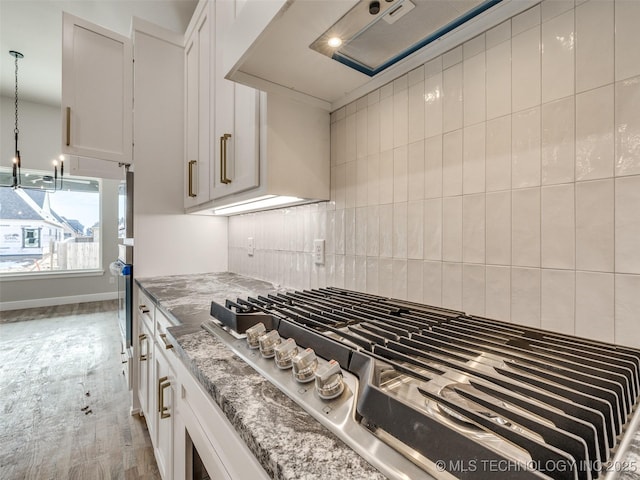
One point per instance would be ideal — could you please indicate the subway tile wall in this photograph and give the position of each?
(501, 178)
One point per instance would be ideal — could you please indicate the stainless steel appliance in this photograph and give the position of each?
(424, 392)
(123, 266)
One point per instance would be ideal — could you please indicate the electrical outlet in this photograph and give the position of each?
(318, 252)
(250, 247)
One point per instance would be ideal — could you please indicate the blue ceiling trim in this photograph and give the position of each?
(474, 12)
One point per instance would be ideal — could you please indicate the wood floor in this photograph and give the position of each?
(64, 404)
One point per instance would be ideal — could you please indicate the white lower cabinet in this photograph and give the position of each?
(201, 430)
(145, 346)
(164, 385)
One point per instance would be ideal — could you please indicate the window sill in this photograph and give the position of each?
(10, 277)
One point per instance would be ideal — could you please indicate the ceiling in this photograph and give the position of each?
(34, 28)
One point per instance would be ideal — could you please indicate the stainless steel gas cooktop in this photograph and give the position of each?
(424, 392)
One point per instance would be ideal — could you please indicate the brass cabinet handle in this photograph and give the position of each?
(167, 344)
(162, 385)
(143, 308)
(68, 126)
(223, 158)
(142, 337)
(191, 164)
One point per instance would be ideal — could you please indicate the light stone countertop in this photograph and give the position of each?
(287, 441)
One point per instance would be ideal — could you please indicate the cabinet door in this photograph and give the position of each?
(97, 85)
(197, 112)
(145, 342)
(165, 386)
(236, 107)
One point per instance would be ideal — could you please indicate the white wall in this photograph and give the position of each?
(502, 178)
(167, 242)
(39, 139)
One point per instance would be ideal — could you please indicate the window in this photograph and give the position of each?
(43, 231)
(31, 238)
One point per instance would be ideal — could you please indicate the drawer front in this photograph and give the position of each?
(145, 309)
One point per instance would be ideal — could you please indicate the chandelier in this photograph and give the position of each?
(35, 182)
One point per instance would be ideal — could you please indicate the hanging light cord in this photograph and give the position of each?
(16, 131)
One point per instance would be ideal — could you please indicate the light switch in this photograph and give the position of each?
(318, 252)
(250, 247)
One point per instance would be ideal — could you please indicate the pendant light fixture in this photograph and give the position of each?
(45, 182)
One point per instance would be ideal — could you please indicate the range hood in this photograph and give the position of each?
(375, 35)
(282, 45)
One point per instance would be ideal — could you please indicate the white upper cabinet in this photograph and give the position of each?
(236, 120)
(97, 84)
(198, 62)
(252, 145)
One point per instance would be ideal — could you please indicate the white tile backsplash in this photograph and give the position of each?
(595, 306)
(452, 163)
(415, 279)
(433, 101)
(558, 226)
(558, 45)
(452, 285)
(400, 171)
(452, 229)
(498, 154)
(473, 228)
(627, 127)
(498, 80)
(627, 225)
(498, 292)
(558, 141)
(432, 283)
(525, 296)
(482, 181)
(433, 229)
(558, 300)
(525, 20)
(416, 108)
(433, 167)
(627, 39)
(452, 100)
(627, 305)
(526, 69)
(525, 227)
(498, 228)
(473, 289)
(595, 225)
(473, 88)
(473, 159)
(594, 133)
(525, 148)
(594, 44)
(415, 171)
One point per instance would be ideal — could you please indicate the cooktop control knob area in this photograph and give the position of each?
(329, 381)
(285, 353)
(304, 366)
(268, 343)
(254, 333)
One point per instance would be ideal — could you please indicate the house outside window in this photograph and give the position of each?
(43, 231)
(31, 238)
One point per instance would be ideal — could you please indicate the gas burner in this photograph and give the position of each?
(424, 392)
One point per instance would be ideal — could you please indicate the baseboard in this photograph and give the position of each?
(52, 301)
